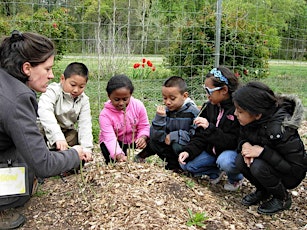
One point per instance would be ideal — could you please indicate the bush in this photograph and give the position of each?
(53, 25)
(243, 48)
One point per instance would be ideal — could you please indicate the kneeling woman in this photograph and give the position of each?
(272, 156)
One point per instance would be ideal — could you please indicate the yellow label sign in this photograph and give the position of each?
(12, 181)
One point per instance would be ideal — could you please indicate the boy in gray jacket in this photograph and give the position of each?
(172, 127)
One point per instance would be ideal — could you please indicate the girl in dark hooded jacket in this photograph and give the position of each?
(272, 156)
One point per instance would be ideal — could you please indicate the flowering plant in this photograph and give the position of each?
(143, 69)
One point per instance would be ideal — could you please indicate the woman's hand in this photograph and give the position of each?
(182, 157)
(85, 156)
(201, 122)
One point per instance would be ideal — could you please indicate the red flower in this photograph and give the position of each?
(54, 25)
(245, 71)
(143, 69)
(136, 65)
(237, 74)
(149, 63)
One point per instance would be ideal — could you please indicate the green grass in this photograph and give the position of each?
(288, 78)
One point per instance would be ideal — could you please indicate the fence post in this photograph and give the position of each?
(218, 32)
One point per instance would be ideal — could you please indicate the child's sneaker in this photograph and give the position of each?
(216, 180)
(233, 187)
(138, 159)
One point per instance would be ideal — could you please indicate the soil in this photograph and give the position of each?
(146, 196)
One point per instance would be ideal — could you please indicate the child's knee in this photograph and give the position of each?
(225, 164)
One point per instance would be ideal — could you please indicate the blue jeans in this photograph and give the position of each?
(208, 164)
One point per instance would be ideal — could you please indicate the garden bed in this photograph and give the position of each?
(146, 196)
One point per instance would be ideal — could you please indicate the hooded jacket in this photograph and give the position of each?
(179, 124)
(222, 137)
(125, 126)
(278, 135)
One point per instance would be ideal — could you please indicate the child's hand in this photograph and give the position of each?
(167, 139)
(141, 143)
(201, 122)
(121, 158)
(161, 110)
(251, 151)
(182, 157)
(61, 145)
(248, 161)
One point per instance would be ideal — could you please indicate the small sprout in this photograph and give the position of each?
(197, 219)
(190, 183)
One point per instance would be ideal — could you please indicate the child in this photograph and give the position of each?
(172, 126)
(63, 107)
(212, 148)
(123, 121)
(272, 156)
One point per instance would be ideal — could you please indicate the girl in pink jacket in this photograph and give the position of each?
(123, 121)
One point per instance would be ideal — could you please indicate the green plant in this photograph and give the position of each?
(190, 183)
(40, 192)
(51, 24)
(243, 47)
(197, 219)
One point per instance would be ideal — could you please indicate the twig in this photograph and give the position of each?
(203, 108)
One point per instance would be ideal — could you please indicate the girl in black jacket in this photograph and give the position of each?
(272, 156)
(212, 150)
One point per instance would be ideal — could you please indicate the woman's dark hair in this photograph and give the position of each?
(117, 82)
(222, 76)
(76, 68)
(256, 98)
(19, 48)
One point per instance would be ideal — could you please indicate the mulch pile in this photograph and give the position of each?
(146, 196)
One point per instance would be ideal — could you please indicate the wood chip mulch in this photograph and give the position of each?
(146, 196)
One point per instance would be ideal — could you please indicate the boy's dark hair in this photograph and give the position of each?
(119, 81)
(176, 81)
(19, 48)
(232, 80)
(256, 98)
(76, 68)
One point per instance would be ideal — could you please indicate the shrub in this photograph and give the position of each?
(243, 48)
